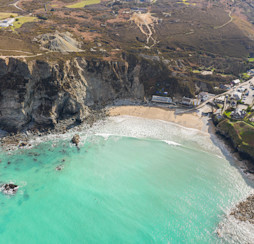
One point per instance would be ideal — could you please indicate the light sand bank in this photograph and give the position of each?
(190, 120)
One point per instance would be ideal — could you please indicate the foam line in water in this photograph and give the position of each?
(172, 143)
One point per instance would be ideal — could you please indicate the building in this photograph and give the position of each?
(219, 99)
(204, 72)
(238, 113)
(237, 96)
(250, 72)
(7, 22)
(204, 96)
(236, 82)
(225, 86)
(159, 99)
(190, 101)
(241, 89)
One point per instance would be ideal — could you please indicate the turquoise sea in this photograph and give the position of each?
(132, 181)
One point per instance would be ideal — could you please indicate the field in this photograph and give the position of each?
(82, 4)
(7, 15)
(22, 20)
(251, 59)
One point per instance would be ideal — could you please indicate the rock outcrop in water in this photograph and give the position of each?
(9, 189)
(75, 139)
(244, 211)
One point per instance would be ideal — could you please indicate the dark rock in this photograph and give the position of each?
(75, 139)
(9, 189)
(23, 144)
(59, 167)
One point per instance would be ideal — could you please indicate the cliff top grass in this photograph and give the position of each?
(7, 15)
(82, 4)
(246, 132)
(239, 131)
(22, 20)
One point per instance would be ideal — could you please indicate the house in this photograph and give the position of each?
(219, 99)
(190, 101)
(204, 96)
(250, 72)
(238, 113)
(225, 86)
(237, 95)
(160, 99)
(233, 104)
(204, 72)
(236, 82)
(241, 89)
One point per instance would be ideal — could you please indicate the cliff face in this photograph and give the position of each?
(41, 93)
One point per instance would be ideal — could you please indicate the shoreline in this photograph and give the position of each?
(189, 120)
(193, 120)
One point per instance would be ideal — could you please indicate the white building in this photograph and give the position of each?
(190, 101)
(159, 99)
(241, 89)
(219, 99)
(7, 22)
(237, 95)
(235, 82)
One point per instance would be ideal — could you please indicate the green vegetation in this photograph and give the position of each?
(195, 71)
(241, 135)
(22, 20)
(251, 59)
(7, 15)
(228, 114)
(82, 4)
(245, 76)
(187, 3)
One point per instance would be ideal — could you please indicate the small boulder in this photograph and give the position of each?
(23, 144)
(59, 167)
(75, 139)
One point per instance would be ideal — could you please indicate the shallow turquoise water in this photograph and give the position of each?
(117, 190)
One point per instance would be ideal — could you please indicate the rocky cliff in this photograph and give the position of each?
(42, 93)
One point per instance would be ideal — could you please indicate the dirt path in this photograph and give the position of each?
(16, 5)
(17, 51)
(23, 56)
(221, 26)
(148, 21)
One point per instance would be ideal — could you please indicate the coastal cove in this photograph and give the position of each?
(134, 180)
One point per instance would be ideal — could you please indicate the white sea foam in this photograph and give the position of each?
(172, 143)
(234, 231)
(129, 126)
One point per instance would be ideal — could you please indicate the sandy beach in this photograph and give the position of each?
(190, 120)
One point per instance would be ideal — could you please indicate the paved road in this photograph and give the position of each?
(222, 94)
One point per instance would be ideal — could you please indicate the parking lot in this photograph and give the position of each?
(248, 99)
